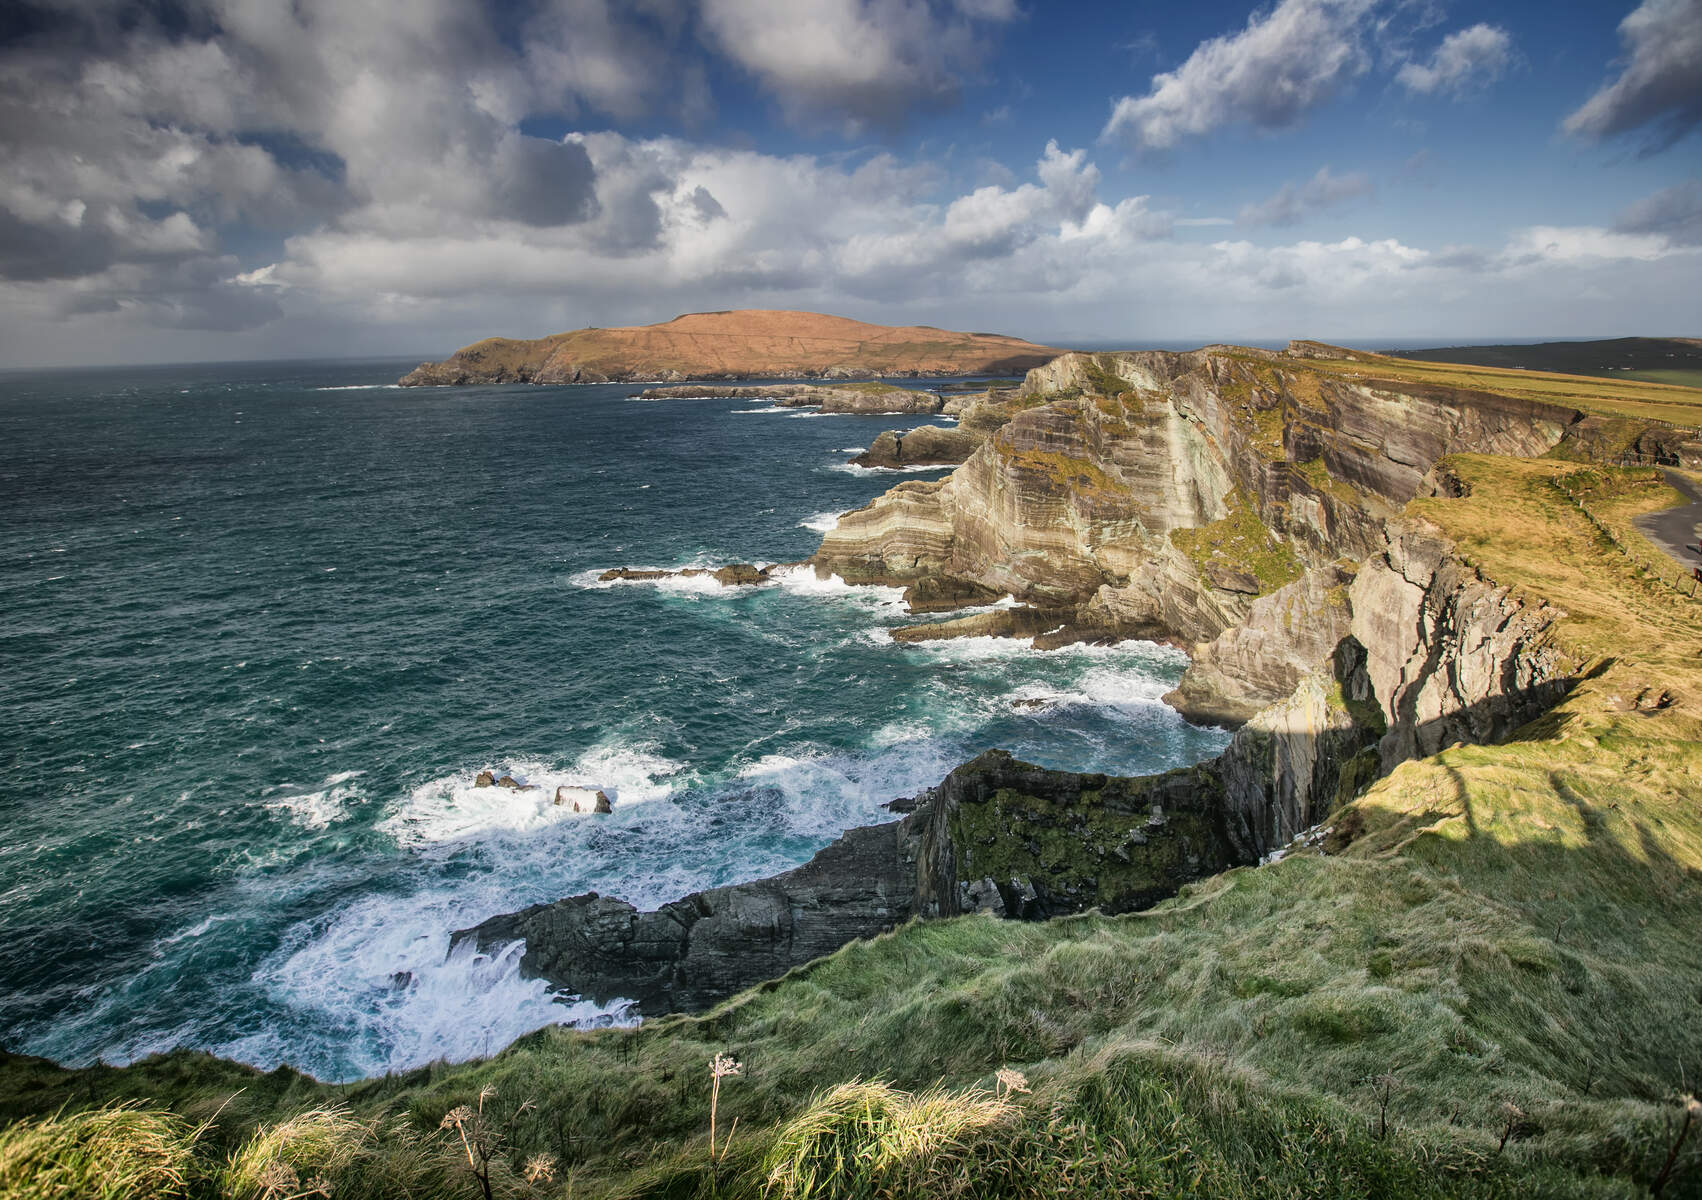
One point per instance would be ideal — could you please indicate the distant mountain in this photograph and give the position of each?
(1659, 360)
(745, 344)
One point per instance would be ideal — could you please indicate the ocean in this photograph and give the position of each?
(262, 624)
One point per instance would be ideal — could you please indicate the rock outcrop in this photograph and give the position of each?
(866, 398)
(747, 344)
(928, 446)
(1171, 492)
(1429, 654)
(732, 575)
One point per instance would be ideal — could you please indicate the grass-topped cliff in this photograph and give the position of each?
(746, 344)
(1481, 976)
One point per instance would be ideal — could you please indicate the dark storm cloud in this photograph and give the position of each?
(1674, 213)
(1659, 88)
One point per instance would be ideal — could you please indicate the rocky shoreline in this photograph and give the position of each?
(1242, 504)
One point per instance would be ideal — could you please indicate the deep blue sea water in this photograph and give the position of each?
(261, 625)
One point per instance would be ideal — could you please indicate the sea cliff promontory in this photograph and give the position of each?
(742, 344)
(1425, 928)
(1250, 506)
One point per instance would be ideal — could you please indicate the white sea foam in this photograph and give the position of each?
(772, 408)
(850, 450)
(822, 522)
(360, 387)
(401, 997)
(803, 580)
(450, 809)
(686, 584)
(854, 469)
(322, 807)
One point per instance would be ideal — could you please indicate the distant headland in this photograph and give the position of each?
(747, 343)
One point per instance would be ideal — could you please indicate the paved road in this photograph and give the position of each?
(1674, 529)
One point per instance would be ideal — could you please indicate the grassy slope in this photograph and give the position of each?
(1618, 396)
(1514, 926)
(1612, 358)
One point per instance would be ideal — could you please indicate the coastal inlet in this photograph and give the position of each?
(270, 623)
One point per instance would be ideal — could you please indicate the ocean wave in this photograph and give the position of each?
(803, 580)
(359, 387)
(822, 522)
(322, 807)
(401, 996)
(854, 469)
(772, 408)
(450, 809)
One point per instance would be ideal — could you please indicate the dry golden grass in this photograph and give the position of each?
(763, 342)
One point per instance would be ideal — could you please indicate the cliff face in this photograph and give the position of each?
(1170, 490)
(1239, 500)
(746, 344)
(1425, 654)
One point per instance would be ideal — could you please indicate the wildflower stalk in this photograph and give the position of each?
(720, 1067)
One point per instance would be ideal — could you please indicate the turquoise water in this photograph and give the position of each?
(261, 625)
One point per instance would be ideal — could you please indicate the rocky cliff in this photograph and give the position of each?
(1428, 654)
(1170, 491)
(1245, 503)
(746, 344)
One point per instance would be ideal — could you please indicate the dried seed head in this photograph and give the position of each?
(457, 1116)
(279, 1179)
(540, 1168)
(723, 1065)
(1512, 1111)
(319, 1185)
(1693, 1108)
(1012, 1081)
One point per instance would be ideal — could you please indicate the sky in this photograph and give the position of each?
(247, 179)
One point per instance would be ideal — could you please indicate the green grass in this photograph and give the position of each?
(1619, 396)
(1239, 542)
(1682, 377)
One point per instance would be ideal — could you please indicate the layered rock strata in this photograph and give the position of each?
(1217, 498)
(1174, 493)
(1429, 654)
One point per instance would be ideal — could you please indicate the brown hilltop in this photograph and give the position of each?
(745, 344)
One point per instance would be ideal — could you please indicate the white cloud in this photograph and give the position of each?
(1554, 243)
(866, 62)
(1292, 203)
(1467, 58)
(1271, 74)
(1661, 83)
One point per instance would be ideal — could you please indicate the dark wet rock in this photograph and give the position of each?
(943, 593)
(735, 574)
(740, 574)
